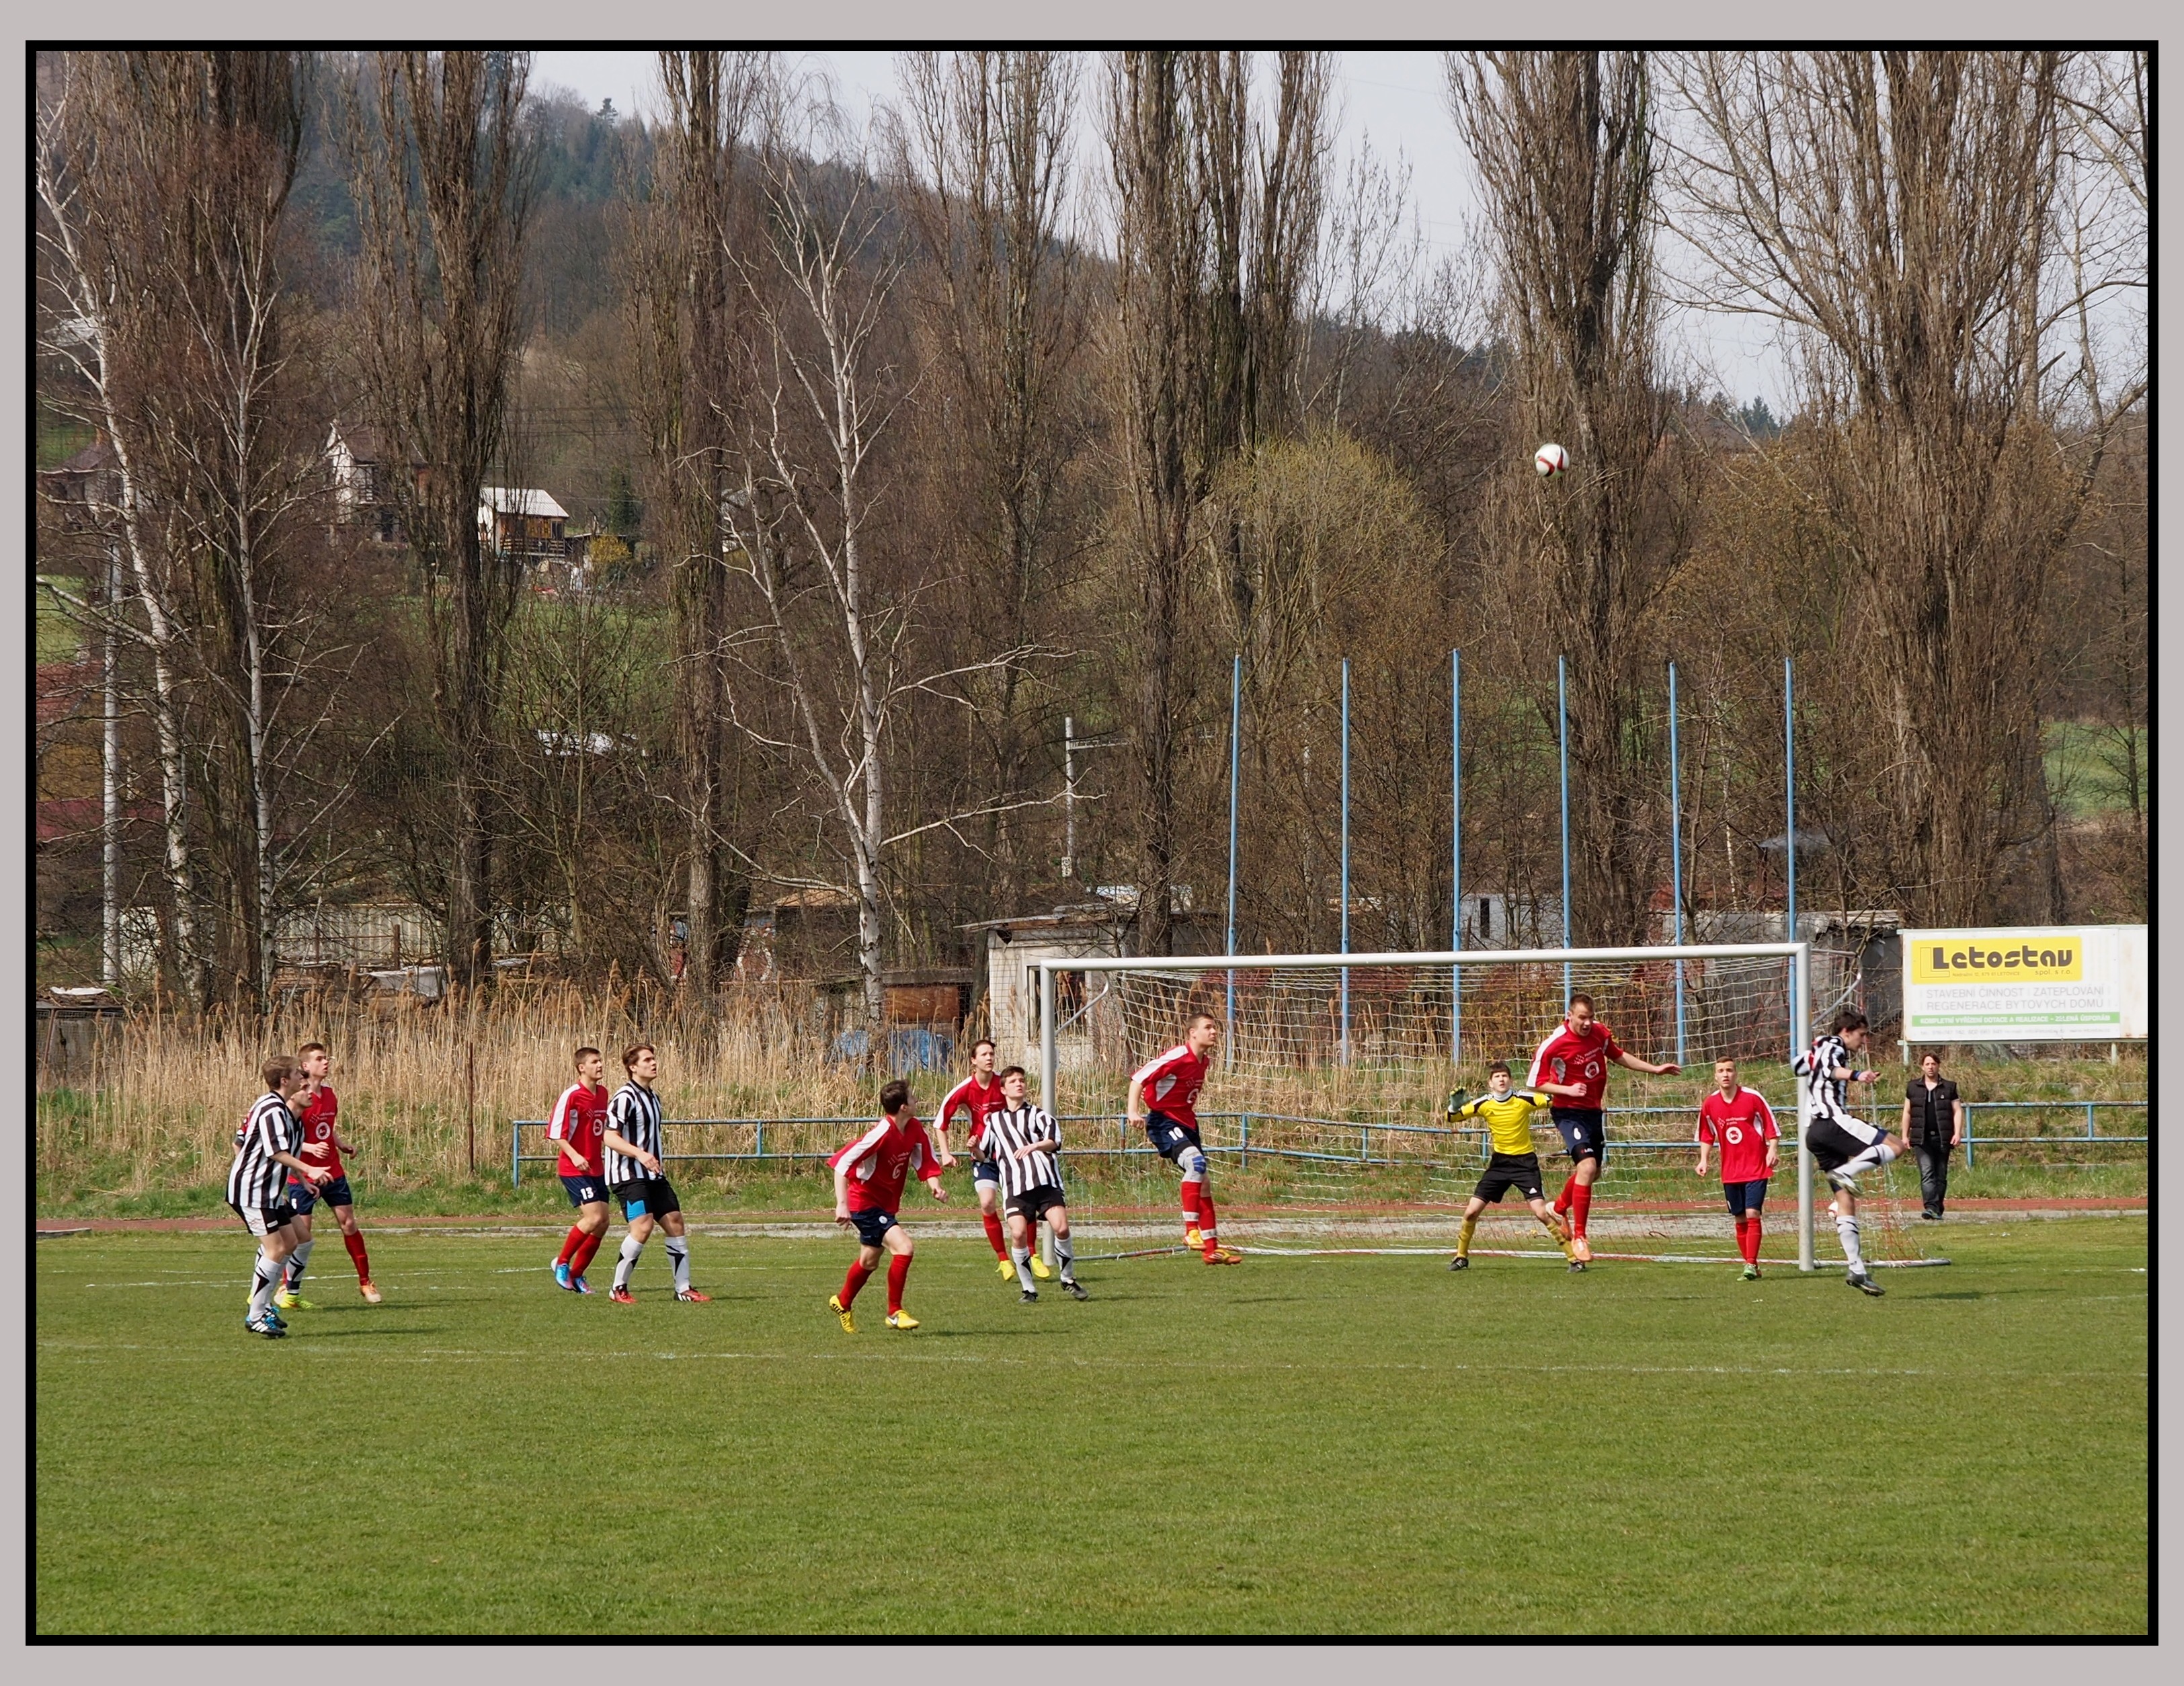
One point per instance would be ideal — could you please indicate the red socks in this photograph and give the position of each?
(996, 1234)
(1193, 1193)
(581, 1260)
(858, 1276)
(1569, 1187)
(898, 1273)
(570, 1243)
(1748, 1238)
(1581, 1206)
(355, 1245)
(1205, 1218)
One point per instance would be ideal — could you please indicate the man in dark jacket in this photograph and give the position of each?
(1933, 1123)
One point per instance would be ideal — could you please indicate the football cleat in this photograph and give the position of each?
(1191, 1237)
(1751, 1274)
(578, 1285)
(1028, 1296)
(1580, 1249)
(849, 1323)
(1008, 1271)
(561, 1273)
(1864, 1282)
(900, 1320)
(289, 1300)
(1038, 1268)
(1459, 1263)
(692, 1297)
(1577, 1267)
(1841, 1183)
(370, 1293)
(1223, 1255)
(1074, 1288)
(267, 1326)
(621, 1297)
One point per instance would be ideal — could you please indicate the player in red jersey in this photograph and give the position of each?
(869, 1175)
(579, 1123)
(976, 1097)
(1164, 1099)
(322, 1149)
(1572, 1065)
(1741, 1124)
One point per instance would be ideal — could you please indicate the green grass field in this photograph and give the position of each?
(1321, 1444)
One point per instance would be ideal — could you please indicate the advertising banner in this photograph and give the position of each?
(2044, 984)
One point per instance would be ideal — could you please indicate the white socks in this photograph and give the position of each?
(265, 1277)
(678, 1255)
(1847, 1232)
(631, 1247)
(1065, 1257)
(1021, 1256)
(1878, 1154)
(296, 1260)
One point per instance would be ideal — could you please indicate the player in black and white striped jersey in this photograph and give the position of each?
(632, 1145)
(1841, 1144)
(1024, 1142)
(267, 1149)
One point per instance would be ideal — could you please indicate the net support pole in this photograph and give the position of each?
(1455, 852)
(1235, 765)
(1790, 810)
(1345, 856)
(1800, 1014)
(1676, 854)
(1561, 745)
(1048, 1097)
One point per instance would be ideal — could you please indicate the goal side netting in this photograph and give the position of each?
(1328, 1097)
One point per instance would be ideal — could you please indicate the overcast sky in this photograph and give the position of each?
(1395, 99)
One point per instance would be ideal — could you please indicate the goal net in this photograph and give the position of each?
(1330, 1096)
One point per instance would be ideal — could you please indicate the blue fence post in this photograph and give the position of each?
(1244, 1151)
(2089, 1121)
(758, 1143)
(1971, 1111)
(515, 1152)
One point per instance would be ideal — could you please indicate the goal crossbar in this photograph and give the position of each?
(1798, 954)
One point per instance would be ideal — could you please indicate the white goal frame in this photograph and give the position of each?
(1799, 954)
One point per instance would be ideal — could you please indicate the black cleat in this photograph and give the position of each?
(1074, 1288)
(1459, 1263)
(1864, 1282)
(1028, 1296)
(1576, 1267)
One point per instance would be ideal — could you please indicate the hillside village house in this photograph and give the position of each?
(522, 522)
(363, 496)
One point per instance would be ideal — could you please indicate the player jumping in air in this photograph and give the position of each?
(632, 1145)
(869, 1175)
(1512, 1162)
(1026, 1143)
(1572, 1065)
(323, 1147)
(1841, 1145)
(977, 1097)
(1164, 1098)
(1740, 1123)
(258, 1187)
(579, 1123)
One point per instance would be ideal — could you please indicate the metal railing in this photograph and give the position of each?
(1131, 1143)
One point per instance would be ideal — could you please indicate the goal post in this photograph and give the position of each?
(1414, 1017)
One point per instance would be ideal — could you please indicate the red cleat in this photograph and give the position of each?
(621, 1297)
(692, 1297)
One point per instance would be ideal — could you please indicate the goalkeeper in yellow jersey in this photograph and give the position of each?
(1511, 1161)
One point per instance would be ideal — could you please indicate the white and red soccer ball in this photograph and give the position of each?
(1550, 461)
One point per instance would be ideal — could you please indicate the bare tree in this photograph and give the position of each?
(443, 195)
(690, 317)
(1898, 211)
(1564, 147)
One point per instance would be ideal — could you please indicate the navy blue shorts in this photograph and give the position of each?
(647, 1197)
(335, 1191)
(872, 1225)
(1168, 1137)
(585, 1191)
(986, 1170)
(1583, 1136)
(1744, 1197)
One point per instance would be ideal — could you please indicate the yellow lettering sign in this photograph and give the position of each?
(1990, 960)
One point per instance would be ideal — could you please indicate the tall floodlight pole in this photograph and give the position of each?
(1562, 741)
(1455, 852)
(1676, 852)
(1069, 796)
(1789, 805)
(1235, 764)
(1345, 856)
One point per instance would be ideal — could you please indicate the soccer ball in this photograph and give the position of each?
(1550, 461)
